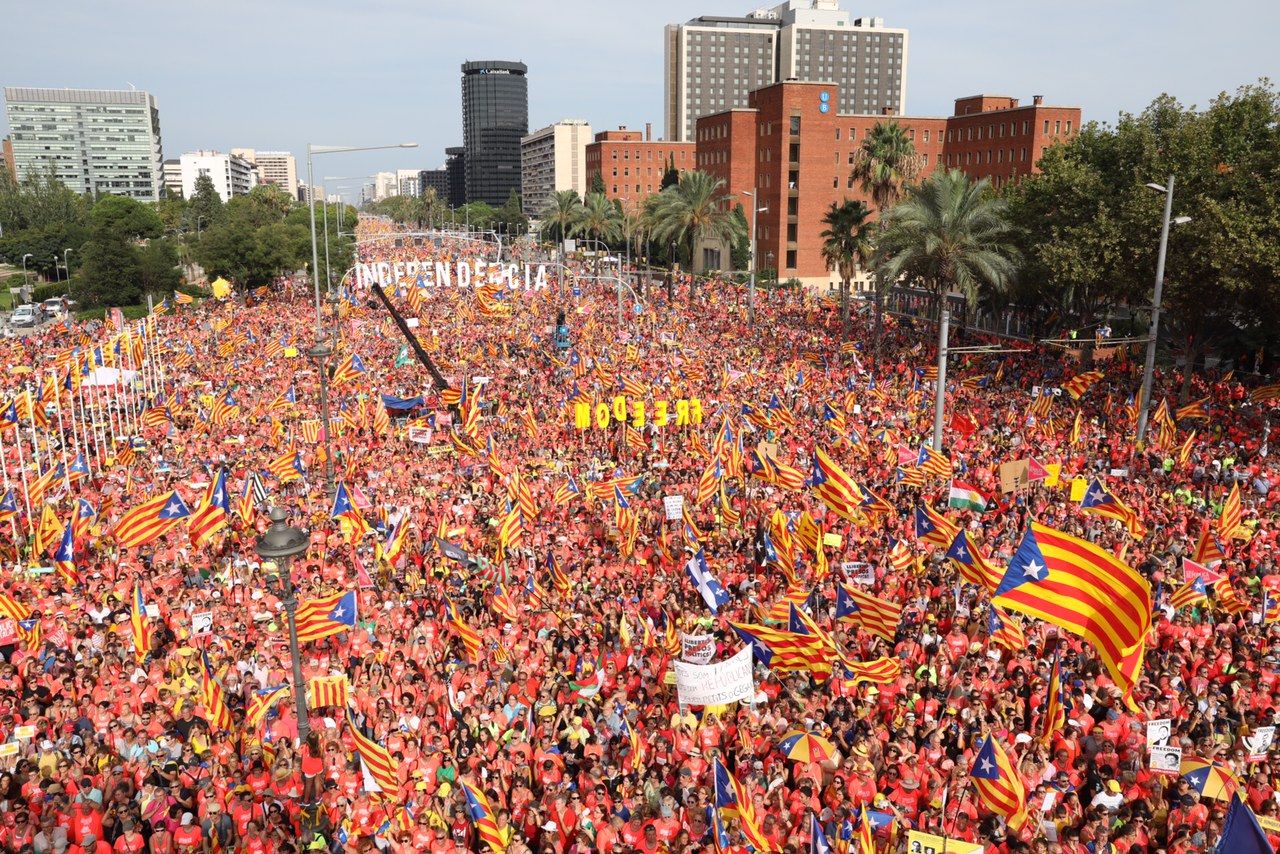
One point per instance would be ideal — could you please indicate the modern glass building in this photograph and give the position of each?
(495, 115)
(95, 141)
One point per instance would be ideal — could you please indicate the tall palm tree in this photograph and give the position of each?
(599, 218)
(884, 165)
(953, 235)
(560, 215)
(695, 209)
(846, 246)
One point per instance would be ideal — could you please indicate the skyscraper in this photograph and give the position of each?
(495, 115)
(94, 141)
(712, 63)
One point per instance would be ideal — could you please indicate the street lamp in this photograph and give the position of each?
(66, 265)
(26, 282)
(56, 277)
(320, 354)
(282, 543)
(312, 150)
(1144, 402)
(751, 286)
(328, 277)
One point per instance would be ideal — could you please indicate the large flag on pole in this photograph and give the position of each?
(150, 520)
(998, 784)
(1084, 590)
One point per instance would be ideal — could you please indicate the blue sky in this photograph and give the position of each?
(280, 73)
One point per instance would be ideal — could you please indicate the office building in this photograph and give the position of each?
(434, 179)
(274, 167)
(553, 159)
(231, 174)
(94, 141)
(456, 167)
(171, 172)
(6, 158)
(495, 117)
(407, 182)
(305, 195)
(631, 166)
(797, 154)
(712, 63)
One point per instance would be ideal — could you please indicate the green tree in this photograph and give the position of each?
(950, 234)
(671, 175)
(694, 210)
(559, 216)
(1089, 227)
(883, 166)
(740, 254)
(599, 219)
(116, 263)
(510, 219)
(158, 268)
(204, 208)
(846, 246)
(597, 184)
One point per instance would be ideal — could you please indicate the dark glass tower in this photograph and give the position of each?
(495, 115)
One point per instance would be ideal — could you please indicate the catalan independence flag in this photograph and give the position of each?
(214, 511)
(328, 691)
(483, 817)
(260, 703)
(1082, 589)
(1100, 501)
(973, 567)
(138, 623)
(1080, 383)
(64, 560)
(785, 651)
(732, 798)
(150, 520)
(215, 703)
(878, 616)
(836, 489)
(326, 616)
(381, 766)
(1231, 513)
(1055, 704)
(998, 784)
(471, 640)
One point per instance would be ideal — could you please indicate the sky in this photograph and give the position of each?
(278, 74)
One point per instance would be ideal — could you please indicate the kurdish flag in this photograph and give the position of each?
(966, 496)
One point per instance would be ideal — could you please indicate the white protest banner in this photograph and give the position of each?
(674, 505)
(715, 684)
(201, 623)
(1166, 759)
(862, 573)
(421, 435)
(1259, 742)
(1158, 732)
(697, 649)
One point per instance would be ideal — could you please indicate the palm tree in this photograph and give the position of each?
(885, 164)
(560, 215)
(952, 234)
(846, 246)
(599, 218)
(695, 209)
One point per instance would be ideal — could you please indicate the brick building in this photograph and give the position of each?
(797, 152)
(631, 165)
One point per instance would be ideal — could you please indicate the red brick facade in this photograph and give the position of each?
(631, 166)
(803, 157)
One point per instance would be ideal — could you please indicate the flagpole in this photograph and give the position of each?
(4, 468)
(22, 470)
(31, 421)
(71, 417)
(62, 435)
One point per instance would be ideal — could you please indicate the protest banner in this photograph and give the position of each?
(201, 623)
(715, 684)
(674, 507)
(1167, 760)
(919, 842)
(697, 649)
(1159, 732)
(1258, 743)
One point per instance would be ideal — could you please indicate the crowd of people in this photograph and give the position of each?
(522, 595)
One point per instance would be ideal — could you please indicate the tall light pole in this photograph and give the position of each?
(313, 150)
(26, 281)
(66, 265)
(56, 277)
(282, 543)
(1144, 403)
(328, 277)
(940, 390)
(751, 285)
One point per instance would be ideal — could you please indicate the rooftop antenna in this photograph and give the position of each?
(132, 88)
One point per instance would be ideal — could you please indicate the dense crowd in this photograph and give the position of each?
(535, 670)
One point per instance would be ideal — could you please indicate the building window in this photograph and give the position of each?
(1057, 127)
(791, 232)
(926, 136)
(791, 259)
(1068, 127)
(1026, 126)
(1022, 156)
(924, 161)
(979, 133)
(837, 134)
(795, 125)
(1046, 127)
(615, 189)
